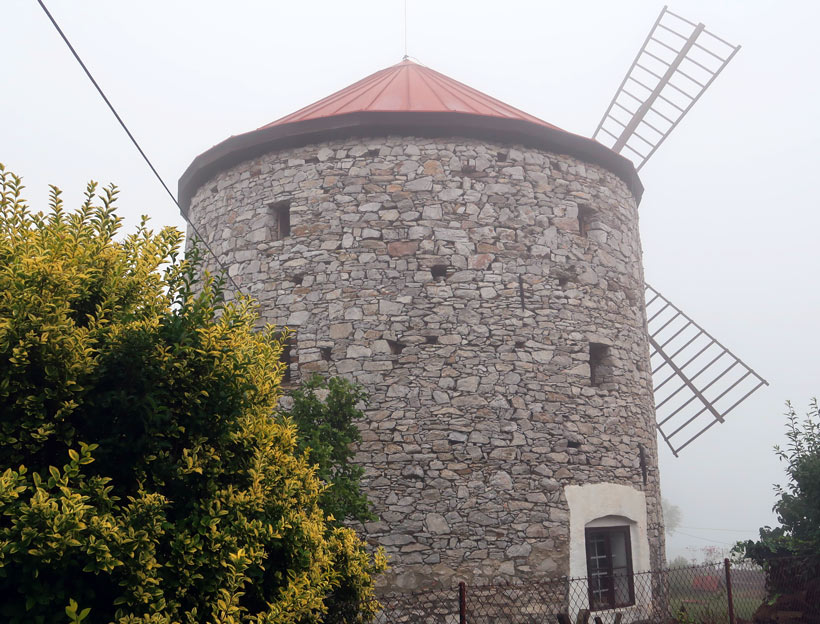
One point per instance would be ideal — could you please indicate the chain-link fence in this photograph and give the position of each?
(707, 593)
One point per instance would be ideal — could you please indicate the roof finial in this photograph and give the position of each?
(405, 57)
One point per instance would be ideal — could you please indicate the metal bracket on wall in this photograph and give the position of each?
(697, 381)
(676, 64)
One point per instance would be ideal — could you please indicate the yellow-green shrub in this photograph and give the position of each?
(142, 474)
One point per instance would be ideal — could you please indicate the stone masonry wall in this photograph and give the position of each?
(451, 277)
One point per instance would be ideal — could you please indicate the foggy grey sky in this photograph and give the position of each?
(729, 219)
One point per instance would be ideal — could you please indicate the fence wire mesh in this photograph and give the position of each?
(688, 595)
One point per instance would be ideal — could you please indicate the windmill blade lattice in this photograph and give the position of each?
(676, 64)
(697, 381)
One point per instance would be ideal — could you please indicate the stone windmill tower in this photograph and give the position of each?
(479, 271)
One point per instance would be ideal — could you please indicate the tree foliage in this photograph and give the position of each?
(324, 412)
(798, 502)
(672, 516)
(143, 478)
(679, 562)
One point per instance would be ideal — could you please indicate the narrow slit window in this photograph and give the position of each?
(288, 359)
(585, 218)
(598, 360)
(644, 467)
(280, 212)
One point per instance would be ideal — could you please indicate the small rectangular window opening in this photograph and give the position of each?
(281, 219)
(598, 355)
(327, 353)
(609, 567)
(585, 218)
(439, 271)
(395, 347)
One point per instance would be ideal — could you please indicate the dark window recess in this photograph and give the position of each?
(439, 271)
(287, 359)
(281, 219)
(563, 281)
(573, 444)
(395, 347)
(374, 152)
(521, 291)
(609, 567)
(501, 156)
(311, 160)
(519, 344)
(297, 279)
(431, 339)
(326, 353)
(598, 361)
(642, 459)
(585, 218)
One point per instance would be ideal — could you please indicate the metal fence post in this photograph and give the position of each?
(730, 600)
(462, 603)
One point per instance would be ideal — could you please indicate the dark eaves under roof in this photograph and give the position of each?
(410, 99)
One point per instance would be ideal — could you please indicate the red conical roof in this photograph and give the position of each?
(408, 87)
(405, 99)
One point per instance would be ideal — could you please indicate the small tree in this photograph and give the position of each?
(324, 412)
(143, 477)
(798, 503)
(672, 516)
(679, 562)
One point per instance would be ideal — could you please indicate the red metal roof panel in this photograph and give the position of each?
(406, 87)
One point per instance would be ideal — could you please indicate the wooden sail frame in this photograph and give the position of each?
(697, 381)
(678, 61)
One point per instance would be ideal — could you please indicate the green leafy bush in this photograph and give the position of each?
(324, 412)
(143, 478)
(791, 551)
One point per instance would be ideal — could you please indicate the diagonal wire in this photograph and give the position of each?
(137, 145)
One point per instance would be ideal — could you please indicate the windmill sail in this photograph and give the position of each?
(697, 381)
(676, 64)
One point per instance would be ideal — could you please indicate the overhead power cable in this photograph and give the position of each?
(137, 145)
(705, 539)
(691, 528)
